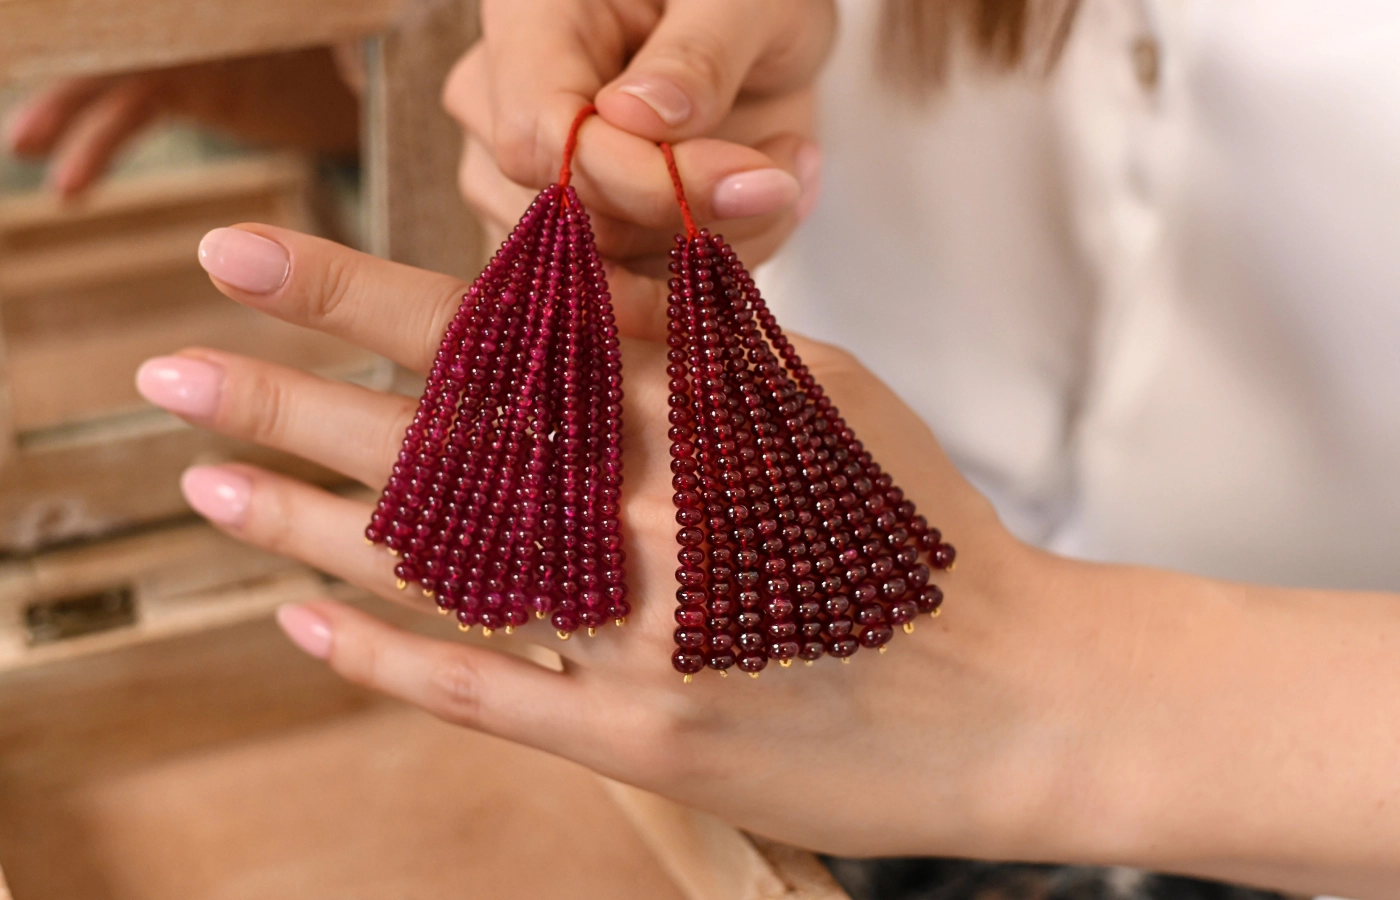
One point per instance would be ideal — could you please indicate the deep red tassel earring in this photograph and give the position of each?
(794, 544)
(504, 499)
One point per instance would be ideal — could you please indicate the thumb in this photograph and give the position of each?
(683, 80)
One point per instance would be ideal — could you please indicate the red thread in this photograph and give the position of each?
(690, 229)
(571, 143)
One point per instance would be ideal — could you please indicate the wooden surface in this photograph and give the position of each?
(710, 860)
(181, 579)
(64, 37)
(227, 765)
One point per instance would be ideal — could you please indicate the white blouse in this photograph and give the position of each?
(1151, 306)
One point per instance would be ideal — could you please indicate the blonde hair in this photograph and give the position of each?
(920, 38)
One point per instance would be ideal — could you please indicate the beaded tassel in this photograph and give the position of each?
(504, 499)
(793, 542)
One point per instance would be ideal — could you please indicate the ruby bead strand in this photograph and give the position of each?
(794, 543)
(504, 499)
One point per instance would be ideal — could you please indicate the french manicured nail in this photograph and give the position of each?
(307, 629)
(809, 175)
(754, 193)
(245, 260)
(216, 493)
(186, 387)
(666, 100)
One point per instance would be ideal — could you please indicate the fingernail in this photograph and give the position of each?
(308, 630)
(186, 387)
(67, 181)
(666, 100)
(809, 175)
(216, 493)
(754, 193)
(15, 123)
(245, 260)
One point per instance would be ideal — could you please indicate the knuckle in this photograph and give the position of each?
(260, 411)
(337, 283)
(359, 662)
(649, 512)
(456, 686)
(703, 56)
(516, 145)
(436, 315)
(272, 520)
(391, 437)
(663, 742)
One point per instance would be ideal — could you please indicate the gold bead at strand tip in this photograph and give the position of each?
(539, 614)
(845, 660)
(934, 614)
(392, 551)
(785, 663)
(753, 674)
(723, 673)
(807, 662)
(686, 680)
(401, 584)
(952, 565)
(427, 593)
(510, 629)
(486, 632)
(442, 610)
(563, 635)
(463, 628)
(619, 622)
(592, 632)
(883, 649)
(908, 627)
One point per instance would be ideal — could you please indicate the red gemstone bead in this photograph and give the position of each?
(504, 498)
(778, 505)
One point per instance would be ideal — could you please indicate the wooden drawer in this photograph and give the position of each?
(85, 295)
(213, 760)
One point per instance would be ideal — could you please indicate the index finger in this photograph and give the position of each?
(394, 310)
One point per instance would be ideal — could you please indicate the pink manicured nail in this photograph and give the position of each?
(245, 260)
(809, 175)
(218, 494)
(186, 387)
(668, 101)
(308, 630)
(754, 193)
(16, 123)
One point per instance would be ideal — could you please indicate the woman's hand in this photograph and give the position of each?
(849, 758)
(1055, 711)
(729, 81)
(294, 99)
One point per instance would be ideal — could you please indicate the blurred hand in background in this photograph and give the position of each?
(302, 98)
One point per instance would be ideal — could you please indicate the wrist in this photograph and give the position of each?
(1074, 781)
